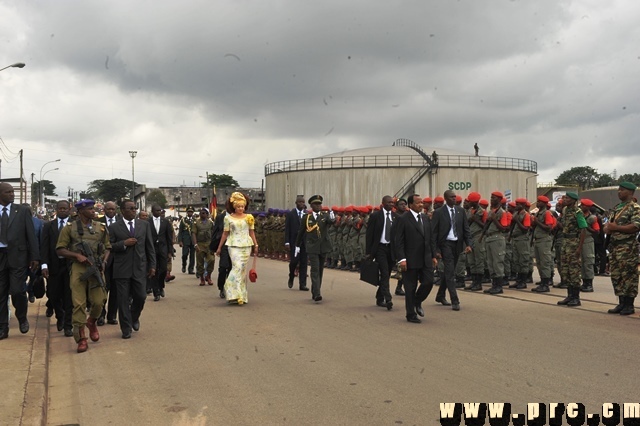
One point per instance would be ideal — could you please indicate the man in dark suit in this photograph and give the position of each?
(56, 270)
(452, 235)
(111, 309)
(313, 232)
(291, 228)
(161, 233)
(415, 248)
(379, 247)
(19, 252)
(134, 260)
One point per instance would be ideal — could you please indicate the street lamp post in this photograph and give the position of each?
(16, 65)
(133, 176)
(43, 175)
(41, 194)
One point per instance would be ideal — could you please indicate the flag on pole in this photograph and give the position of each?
(213, 207)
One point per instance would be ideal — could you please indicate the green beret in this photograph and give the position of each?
(572, 195)
(628, 185)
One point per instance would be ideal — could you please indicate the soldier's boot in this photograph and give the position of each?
(521, 282)
(476, 284)
(469, 275)
(472, 283)
(202, 281)
(562, 284)
(628, 308)
(399, 290)
(618, 308)
(169, 277)
(543, 287)
(587, 286)
(334, 265)
(517, 280)
(82, 343)
(356, 267)
(496, 287)
(328, 262)
(529, 278)
(575, 300)
(345, 265)
(94, 334)
(567, 299)
(459, 282)
(209, 280)
(486, 278)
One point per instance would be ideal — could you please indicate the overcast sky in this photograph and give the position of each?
(227, 86)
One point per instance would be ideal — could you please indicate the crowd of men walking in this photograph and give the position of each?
(119, 258)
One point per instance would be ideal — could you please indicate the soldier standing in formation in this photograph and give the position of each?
(588, 248)
(622, 228)
(543, 228)
(493, 236)
(519, 234)
(95, 234)
(573, 228)
(185, 241)
(201, 233)
(477, 217)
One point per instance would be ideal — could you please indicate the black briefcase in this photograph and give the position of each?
(370, 271)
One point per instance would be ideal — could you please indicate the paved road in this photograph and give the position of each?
(282, 359)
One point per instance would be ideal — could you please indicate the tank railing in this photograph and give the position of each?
(411, 144)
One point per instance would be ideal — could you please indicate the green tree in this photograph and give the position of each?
(48, 187)
(585, 177)
(630, 177)
(110, 190)
(220, 181)
(157, 197)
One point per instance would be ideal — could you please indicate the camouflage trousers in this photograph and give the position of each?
(571, 272)
(588, 259)
(495, 250)
(544, 258)
(476, 259)
(521, 255)
(623, 264)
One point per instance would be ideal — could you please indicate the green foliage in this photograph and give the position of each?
(630, 177)
(110, 190)
(220, 181)
(48, 187)
(157, 197)
(585, 177)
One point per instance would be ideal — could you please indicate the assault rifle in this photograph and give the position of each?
(95, 265)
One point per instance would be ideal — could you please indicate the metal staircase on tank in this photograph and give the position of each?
(429, 165)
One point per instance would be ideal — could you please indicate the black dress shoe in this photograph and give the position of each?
(192, 273)
(381, 303)
(304, 288)
(156, 297)
(149, 291)
(112, 321)
(414, 319)
(49, 312)
(317, 298)
(24, 326)
(400, 293)
(290, 283)
(222, 294)
(455, 307)
(32, 298)
(126, 335)
(4, 333)
(419, 310)
(68, 332)
(100, 321)
(162, 292)
(443, 300)
(59, 325)
(184, 269)
(389, 305)
(136, 325)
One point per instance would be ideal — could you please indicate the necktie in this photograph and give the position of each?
(419, 220)
(300, 215)
(387, 228)
(453, 222)
(4, 224)
(110, 221)
(61, 225)
(131, 231)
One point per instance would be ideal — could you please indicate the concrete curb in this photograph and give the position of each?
(34, 406)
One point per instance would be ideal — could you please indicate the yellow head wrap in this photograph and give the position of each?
(238, 199)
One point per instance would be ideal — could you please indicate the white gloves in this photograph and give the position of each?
(297, 252)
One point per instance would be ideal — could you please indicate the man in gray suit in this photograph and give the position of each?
(19, 252)
(134, 260)
(452, 235)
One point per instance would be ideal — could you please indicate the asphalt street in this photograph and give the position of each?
(284, 359)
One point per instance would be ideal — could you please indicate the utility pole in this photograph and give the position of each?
(133, 177)
(21, 172)
(32, 175)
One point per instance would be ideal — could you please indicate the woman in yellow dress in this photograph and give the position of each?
(239, 237)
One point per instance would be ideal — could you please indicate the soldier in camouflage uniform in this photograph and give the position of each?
(622, 227)
(461, 266)
(346, 254)
(332, 233)
(493, 236)
(269, 233)
(477, 217)
(509, 209)
(573, 228)
(543, 227)
(279, 234)
(354, 235)
(557, 245)
(201, 233)
(184, 241)
(589, 248)
(259, 231)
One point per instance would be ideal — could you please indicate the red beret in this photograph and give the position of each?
(497, 194)
(337, 209)
(439, 199)
(458, 198)
(512, 204)
(325, 208)
(369, 207)
(503, 201)
(521, 200)
(484, 203)
(348, 209)
(543, 199)
(334, 208)
(474, 197)
(549, 205)
(426, 200)
(586, 202)
(528, 204)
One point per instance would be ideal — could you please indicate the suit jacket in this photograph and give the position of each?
(292, 226)
(48, 255)
(22, 244)
(441, 223)
(413, 242)
(375, 227)
(317, 241)
(134, 261)
(162, 240)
